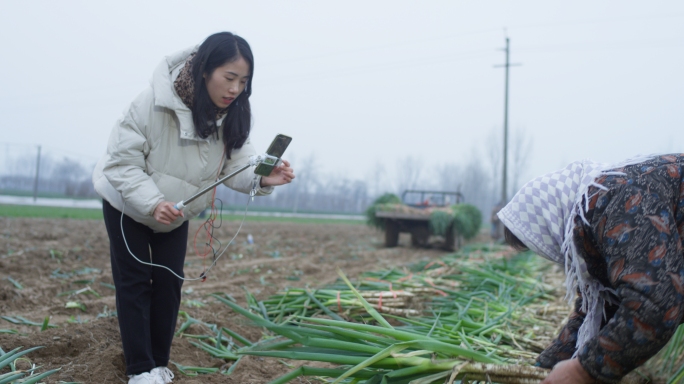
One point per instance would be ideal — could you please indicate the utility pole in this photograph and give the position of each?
(504, 182)
(35, 182)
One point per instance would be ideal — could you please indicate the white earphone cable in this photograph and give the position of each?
(204, 274)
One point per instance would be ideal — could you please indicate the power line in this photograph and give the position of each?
(378, 47)
(445, 59)
(385, 67)
(426, 60)
(458, 35)
(604, 46)
(596, 21)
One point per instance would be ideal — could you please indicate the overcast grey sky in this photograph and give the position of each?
(362, 82)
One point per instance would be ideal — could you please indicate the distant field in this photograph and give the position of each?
(49, 212)
(86, 213)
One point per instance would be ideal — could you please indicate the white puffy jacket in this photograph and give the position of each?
(154, 155)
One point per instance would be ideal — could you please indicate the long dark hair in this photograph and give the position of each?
(217, 50)
(513, 241)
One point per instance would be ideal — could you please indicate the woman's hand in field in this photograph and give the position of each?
(282, 174)
(568, 372)
(165, 213)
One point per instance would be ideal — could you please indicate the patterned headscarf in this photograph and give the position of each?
(542, 215)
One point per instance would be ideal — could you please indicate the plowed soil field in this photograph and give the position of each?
(53, 259)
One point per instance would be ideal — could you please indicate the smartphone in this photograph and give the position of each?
(276, 149)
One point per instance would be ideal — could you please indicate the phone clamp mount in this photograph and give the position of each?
(264, 166)
(264, 159)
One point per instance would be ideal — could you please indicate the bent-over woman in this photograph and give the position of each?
(618, 232)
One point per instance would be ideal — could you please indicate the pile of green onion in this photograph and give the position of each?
(482, 314)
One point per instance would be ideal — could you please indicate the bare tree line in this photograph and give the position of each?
(58, 175)
(478, 180)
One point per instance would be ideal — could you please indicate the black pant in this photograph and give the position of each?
(147, 298)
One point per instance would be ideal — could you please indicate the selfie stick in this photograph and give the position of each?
(253, 160)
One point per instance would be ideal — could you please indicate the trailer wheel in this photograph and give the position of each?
(391, 233)
(419, 236)
(450, 240)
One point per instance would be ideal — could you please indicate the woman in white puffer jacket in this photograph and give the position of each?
(188, 128)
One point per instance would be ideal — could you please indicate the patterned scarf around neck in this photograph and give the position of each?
(185, 87)
(542, 215)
